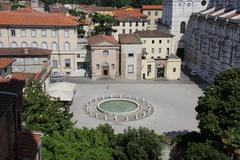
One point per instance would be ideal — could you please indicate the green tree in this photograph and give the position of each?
(204, 151)
(218, 111)
(77, 144)
(103, 24)
(138, 144)
(41, 112)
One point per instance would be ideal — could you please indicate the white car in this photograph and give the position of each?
(194, 73)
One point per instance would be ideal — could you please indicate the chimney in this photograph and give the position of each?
(26, 50)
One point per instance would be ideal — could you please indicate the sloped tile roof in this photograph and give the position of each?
(102, 38)
(4, 62)
(20, 52)
(23, 76)
(152, 7)
(150, 34)
(129, 11)
(129, 39)
(28, 17)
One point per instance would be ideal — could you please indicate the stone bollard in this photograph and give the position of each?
(96, 115)
(90, 113)
(105, 117)
(115, 118)
(136, 116)
(126, 118)
(144, 114)
(111, 96)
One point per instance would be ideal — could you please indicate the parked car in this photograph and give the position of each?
(193, 73)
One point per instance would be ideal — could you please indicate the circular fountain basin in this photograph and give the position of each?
(118, 106)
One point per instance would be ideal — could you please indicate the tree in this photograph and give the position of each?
(80, 14)
(204, 151)
(138, 144)
(77, 144)
(218, 111)
(41, 112)
(103, 24)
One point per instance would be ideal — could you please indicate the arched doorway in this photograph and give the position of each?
(105, 69)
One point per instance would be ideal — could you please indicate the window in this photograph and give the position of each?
(130, 69)
(149, 13)
(23, 33)
(149, 69)
(44, 45)
(156, 13)
(105, 53)
(160, 41)
(143, 24)
(13, 33)
(124, 31)
(123, 23)
(67, 63)
(66, 33)
(1, 45)
(66, 46)
(44, 33)
(14, 45)
(136, 23)
(24, 45)
(168, 41)
(130, 55)
(53, 33)
(98, 66)
(130, 30)
(34, 45)
(144, 49)
(182, 27)
(153, 41)
(55, 64)
(152, 50)
(54, 46)
(34, 33)
(160, 50)
(113, 66)
(78, 55)
(174, 69)
(167, 51)
(144, 41)
(130, 24)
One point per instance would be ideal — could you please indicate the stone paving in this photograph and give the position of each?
(174, 105)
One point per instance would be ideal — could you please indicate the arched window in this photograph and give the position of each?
(24, 45)
(66, 46)
(1, 45)
(54, 46)
(14, 45)
(182, 27)
(44, 45)
(34, 45)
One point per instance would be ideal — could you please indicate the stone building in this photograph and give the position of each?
(213, 38)
(131, 56)
(154, 13)
(6, 67)
(104, 52)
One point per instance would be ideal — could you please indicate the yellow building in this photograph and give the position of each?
(154, 12)
(157, 61)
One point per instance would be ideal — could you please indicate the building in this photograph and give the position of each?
(129, 21)
(154, 13)
(104, 52)
(213, 38)
(29, 63)
(131, 56)
(103, 10)
(175, 17)
(15, 142)
(158, 61)
(57, 8)
(6, 68)
(27, 28)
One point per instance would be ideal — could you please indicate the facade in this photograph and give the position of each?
(129, 21)
(175, 17)
(41, 30)
(6, 67)
(154, 13)
(131, 56)
(104, 52)
(103, 10)
(213, 38)
(158, 61)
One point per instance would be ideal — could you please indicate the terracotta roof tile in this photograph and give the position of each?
(23, 76)
(99, 8)
(22, 52)
(28, 17)
(29, 144)
(155, 33)
(4, 62)
(129, 11)
(152, 7)
(102, 38)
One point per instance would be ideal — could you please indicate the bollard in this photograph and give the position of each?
(105, 117)
(96, 115)
(136, 116)
(126, 118)
(115, 118)
(144, 114)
